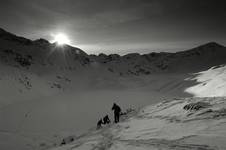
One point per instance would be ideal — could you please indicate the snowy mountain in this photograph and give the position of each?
(48, 92)
(26, 53)
(204, 57)
(211, 82)
(179, 124)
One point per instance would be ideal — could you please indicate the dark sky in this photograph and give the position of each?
(119, 26)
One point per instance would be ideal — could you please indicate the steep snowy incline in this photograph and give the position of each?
(180, 124)
(211, 83)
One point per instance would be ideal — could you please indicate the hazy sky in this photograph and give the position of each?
(119, 26)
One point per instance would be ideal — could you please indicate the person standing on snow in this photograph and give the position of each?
(117, 111)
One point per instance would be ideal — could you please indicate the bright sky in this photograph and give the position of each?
(119, 26)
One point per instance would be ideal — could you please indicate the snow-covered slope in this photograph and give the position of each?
(194, 60)
(21, 52)
(180, 124)
(35, 55)
(211, 83)
(45, 89)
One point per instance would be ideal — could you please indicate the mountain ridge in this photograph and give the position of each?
(55, 85)
(41, 41)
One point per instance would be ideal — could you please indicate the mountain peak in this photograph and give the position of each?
(42, 41)
(212, 44)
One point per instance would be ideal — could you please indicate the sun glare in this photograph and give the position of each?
(61, 39)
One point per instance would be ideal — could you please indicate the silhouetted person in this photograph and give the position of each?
(106, 120)
(67, 140)
(117, 111)
(63, 142)
(99, 123)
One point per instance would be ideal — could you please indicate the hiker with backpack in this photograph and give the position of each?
(117, 111)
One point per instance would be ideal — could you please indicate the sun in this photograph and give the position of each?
(61, 39)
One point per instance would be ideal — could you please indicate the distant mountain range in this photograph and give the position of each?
(22, 52)
(48, 92)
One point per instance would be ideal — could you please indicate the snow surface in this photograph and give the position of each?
(48, 93)
(211, 83)
(166, 126)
